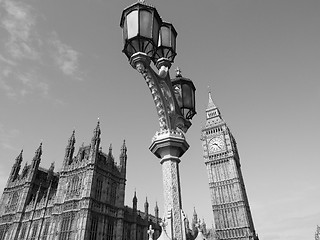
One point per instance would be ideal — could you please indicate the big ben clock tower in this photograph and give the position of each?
(231, 211)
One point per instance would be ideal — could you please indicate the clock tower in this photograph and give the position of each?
(231, 211)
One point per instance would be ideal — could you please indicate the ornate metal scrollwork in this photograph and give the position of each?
(169, 114)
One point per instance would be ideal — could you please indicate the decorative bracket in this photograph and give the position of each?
(169, 114)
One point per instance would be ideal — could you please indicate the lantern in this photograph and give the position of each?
(167, 43)
(140, 23)
(184, 91)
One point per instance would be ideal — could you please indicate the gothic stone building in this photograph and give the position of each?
(85, 200)
(230, 205)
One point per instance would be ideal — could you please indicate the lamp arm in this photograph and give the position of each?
(167, 107)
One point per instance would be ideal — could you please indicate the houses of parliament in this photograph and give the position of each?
(85, 200)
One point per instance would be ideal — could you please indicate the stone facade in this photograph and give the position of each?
(231, 210)
(317, 234)
(85, 200)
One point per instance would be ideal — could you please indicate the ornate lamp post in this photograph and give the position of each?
(148, 39)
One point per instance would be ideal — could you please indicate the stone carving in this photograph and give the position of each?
(150, 233)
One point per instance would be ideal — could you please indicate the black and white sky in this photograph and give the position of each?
(61, 68)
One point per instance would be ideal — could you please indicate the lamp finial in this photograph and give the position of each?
(178, 72)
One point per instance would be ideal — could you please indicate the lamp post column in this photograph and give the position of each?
(149, 39)
(169, 146)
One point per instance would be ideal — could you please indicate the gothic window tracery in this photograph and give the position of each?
(113, 193)
(66, 226)
(3, 231)
(74, 187)
(98, 188)
(46, 231)
(110, 226)
(34, 231)
(23, 232)
(13, 203)
(94, 228)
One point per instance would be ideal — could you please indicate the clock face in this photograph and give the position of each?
(217, 144)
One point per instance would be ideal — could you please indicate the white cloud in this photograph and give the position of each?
(7, 61)
(26, 52)
(16, 84)
(19, 21)
(65, 57)
(31, 83)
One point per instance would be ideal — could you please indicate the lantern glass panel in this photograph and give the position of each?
(132, 24)
(155, 31)
(164, 37)
(145, 23)
(173, 41)
(178, 94)
(187, 96)
(125, 32)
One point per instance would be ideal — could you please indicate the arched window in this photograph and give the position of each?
(46, 231)
(113, 193)
(34, 231)
(110, 227)
(23, 231)
(74, 184)
(3, 231)
(66, 226)
(98, 190)
(14, 201)
(74, 187)
(94, 228)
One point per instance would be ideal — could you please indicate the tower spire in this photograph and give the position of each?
(70, 148)
(123, 157)
(211, 104)
(124, 147)
(110, 149)
(37, 157)
(16, 166)
(19, 158)
(146, 208)
(134, 201)
(156, 211)
(212, 110)
(97, 131)
(95, 141)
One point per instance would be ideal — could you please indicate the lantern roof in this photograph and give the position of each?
(139, 4)
(179, 78)
(170, 25)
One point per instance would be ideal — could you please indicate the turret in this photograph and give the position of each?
(156, 211)
(194, 223)
(134, 202)
(146, 209)
(203, 227)
(195, 215)
(110, 151)
(16, 167)
(95, 141)
(123, 157)
(50, 172)
(70, 149)
(37, 158)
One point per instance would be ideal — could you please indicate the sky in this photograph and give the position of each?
(61, 68)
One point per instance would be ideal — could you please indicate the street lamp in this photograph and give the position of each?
(148, 39)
